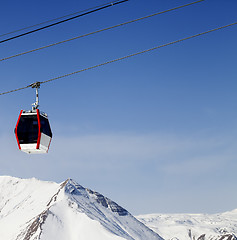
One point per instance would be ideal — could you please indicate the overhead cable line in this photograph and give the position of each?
(122, 58)
(98, 31)
(54, 19)
(65, 20)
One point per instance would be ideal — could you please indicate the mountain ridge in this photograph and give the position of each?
(31, 209)
(221, 226)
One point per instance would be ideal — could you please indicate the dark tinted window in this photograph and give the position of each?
(27, 130)
(45, 127)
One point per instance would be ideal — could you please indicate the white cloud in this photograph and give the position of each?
(157, 164)
(135, 146)
(198, 165)
(131, 147)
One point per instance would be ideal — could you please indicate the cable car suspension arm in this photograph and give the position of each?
(36, 85)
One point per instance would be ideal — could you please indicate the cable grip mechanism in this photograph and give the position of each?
(35, 105)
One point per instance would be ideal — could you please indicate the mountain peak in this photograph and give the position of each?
(74, 188)
(32, 209)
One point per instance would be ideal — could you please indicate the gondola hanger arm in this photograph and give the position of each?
(36, 85)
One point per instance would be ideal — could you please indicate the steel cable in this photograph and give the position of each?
(54, 19)
(122, 58)
(65, 20)
(98, 31)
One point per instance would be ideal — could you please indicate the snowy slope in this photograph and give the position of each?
(193, 226)
(35, 210)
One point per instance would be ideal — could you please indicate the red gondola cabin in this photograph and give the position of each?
(33, 132)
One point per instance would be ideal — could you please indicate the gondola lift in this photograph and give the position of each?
(33, 132)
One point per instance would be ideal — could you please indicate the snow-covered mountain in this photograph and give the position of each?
(35, 210)
(193, 226)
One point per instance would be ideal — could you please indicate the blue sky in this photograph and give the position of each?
(156, 132)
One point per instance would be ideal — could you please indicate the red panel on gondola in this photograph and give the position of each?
(39, 127)
(33, 132)
(16, 130)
